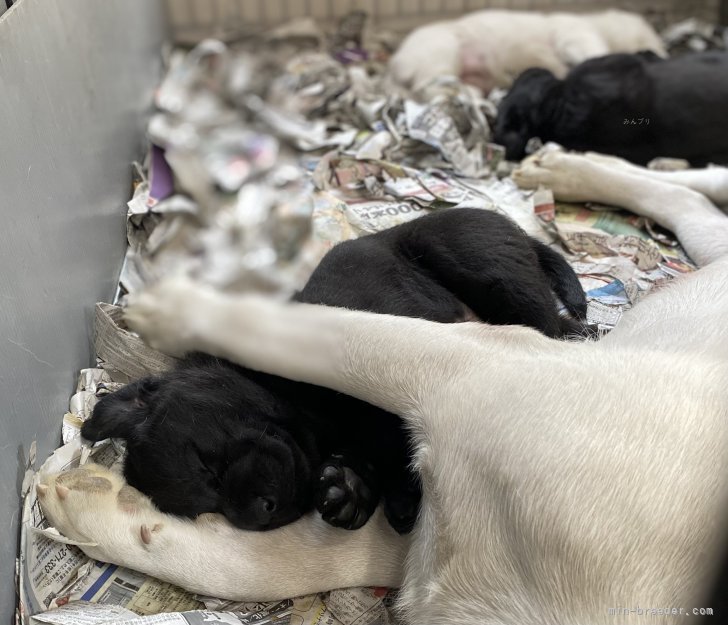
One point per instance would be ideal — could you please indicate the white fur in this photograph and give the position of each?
(491, 48)
(560, 479)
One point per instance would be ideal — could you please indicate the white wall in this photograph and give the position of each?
(76, 78)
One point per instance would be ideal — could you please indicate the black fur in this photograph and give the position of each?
(214, 437)
(681, 103)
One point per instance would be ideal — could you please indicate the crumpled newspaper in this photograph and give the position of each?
(264, 155)
(233, 131)
(618, 257)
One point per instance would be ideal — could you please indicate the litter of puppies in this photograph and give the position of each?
(266, 154)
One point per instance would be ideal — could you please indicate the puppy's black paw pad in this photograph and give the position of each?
(343, 497)
(335, 496)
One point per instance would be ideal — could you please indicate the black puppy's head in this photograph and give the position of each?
(268, 482)
(208, 437)
(520, 114)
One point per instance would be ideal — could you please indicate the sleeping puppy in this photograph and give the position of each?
(564, 483)
(491, 48)
(209, 436)
(634, 106)
(271, 449)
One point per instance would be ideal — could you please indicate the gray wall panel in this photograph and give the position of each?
(76, 78)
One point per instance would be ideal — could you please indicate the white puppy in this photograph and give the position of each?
(564, 483)
(491, 48)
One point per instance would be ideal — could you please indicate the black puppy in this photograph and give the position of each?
(214, 437)
(637, 106)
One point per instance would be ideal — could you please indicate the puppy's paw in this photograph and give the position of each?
(533, 172)
(402, 502)
(345, 496)
(170, 315)
(568, 175)
(107, 518)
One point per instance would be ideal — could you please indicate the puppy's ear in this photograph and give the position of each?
(562, 279)
(120, 414)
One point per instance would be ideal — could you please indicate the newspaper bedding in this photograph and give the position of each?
(264, 156)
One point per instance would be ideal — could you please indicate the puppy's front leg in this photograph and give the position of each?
(116, 523)
(384, 360)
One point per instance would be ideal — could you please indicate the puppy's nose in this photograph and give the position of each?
(265, 507)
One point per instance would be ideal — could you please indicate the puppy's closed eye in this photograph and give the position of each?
(212, 465)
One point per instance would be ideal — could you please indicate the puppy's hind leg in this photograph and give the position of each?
(712, 182)
(699, 225)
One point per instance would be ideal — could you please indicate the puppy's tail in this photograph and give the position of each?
(119, 414)
(562, 279)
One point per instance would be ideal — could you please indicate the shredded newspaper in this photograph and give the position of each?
(264, 155)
